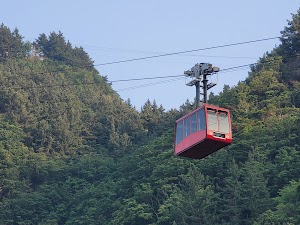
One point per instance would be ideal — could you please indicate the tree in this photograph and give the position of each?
(55, 47)
(11, 44)
(290, 40)
(230, 201)
(287, 210)
(193, 201)
(153, 117)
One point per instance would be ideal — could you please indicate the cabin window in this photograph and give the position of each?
(187, 126)
(201, 120)
(179, 131)
(194, 123)
(223, 123)
(212, 120)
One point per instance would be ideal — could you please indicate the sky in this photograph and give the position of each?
(111, 31)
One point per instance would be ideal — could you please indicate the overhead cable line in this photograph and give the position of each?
(50, 86)
(188, 51)
(144, 78)
(150, 84)
(151, 52)
(149, 57)
(230, 69)
(237, 67)
(226, 70)
(134, 79)
(101, 48)
(162, 77)
(180, 77)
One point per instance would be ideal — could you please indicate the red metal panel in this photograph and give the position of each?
(190, 141)
(203, 149)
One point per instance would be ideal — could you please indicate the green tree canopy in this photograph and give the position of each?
(11, 44)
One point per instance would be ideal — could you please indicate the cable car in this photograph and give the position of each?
(202, 132)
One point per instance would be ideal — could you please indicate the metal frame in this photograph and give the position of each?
(199, 74)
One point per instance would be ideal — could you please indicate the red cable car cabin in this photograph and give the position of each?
(202, 132)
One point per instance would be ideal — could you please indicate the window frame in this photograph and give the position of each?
(179, 130)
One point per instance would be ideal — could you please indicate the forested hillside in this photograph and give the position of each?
(73, 152)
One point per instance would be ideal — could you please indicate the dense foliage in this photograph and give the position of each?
(73, 152)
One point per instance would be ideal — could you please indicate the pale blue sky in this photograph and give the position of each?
(118, 30)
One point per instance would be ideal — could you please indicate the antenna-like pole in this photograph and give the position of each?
(204, 81)
(197, 94)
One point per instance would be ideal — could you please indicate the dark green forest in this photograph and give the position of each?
(73, 152)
